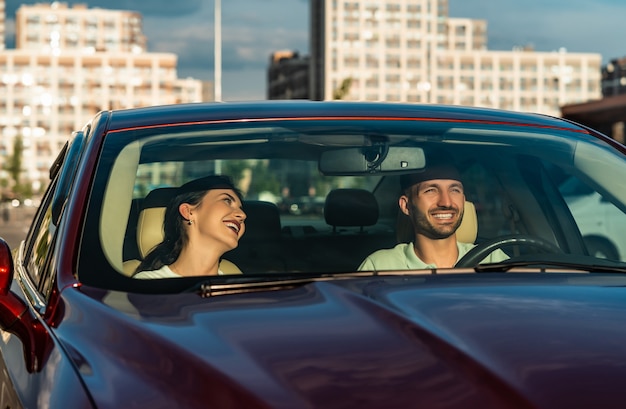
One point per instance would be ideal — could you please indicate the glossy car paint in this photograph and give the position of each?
(451, 341)
(476, 340)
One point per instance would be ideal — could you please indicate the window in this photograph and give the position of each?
(40, 239)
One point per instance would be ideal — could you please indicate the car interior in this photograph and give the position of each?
(266, 244)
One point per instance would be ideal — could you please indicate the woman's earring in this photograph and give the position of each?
(190, 222)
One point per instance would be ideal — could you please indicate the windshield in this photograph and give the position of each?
(321, 195)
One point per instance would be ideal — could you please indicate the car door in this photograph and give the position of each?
(35, 369)
(20, 377)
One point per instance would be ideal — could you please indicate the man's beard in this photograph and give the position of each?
(423, 226)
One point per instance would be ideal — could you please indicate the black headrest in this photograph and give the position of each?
(262, 220)
(158, 197)
(350, 207)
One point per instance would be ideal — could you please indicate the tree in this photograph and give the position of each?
(344, 89)
(14, 165)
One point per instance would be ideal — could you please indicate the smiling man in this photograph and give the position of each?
(433, 201)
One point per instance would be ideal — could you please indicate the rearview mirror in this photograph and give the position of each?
(379, 158)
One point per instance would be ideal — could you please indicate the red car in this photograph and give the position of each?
(306, 322)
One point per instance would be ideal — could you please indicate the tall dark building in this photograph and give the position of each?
(288, 76)
(614, 77)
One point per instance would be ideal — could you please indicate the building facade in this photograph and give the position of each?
(288, 76)
(54, 27)
(70, 63)
(607, 115)
(614, 77)
(412, 51)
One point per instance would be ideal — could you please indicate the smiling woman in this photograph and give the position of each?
(202, 221)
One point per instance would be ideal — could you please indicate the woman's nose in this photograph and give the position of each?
(240, 214)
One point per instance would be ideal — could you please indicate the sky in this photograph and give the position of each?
(253, 29)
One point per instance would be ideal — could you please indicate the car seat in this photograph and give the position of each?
(350, 208)
(353, 215)
(262, 248)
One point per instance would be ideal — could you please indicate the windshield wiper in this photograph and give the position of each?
(209, 289)
(223, 285)
(248, 283)
(558, 261)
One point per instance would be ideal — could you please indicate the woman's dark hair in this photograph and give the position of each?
(175, 235)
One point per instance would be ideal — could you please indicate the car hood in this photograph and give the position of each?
(550, 341)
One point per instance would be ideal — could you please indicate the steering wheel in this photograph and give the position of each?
(482, 250)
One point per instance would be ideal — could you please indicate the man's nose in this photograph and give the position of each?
(444, 199)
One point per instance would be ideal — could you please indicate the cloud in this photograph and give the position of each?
(577, 25)
(145, 7)
(248, 36)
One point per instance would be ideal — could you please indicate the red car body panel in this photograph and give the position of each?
(452, 342)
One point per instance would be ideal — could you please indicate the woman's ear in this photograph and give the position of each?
(185, 211)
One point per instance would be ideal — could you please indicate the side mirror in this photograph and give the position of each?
(6, 267)
(17, 319)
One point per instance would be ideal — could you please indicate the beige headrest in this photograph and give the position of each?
(150, 229)
(150, 221)
(468, 230)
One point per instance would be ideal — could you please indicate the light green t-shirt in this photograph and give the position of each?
(402, 257)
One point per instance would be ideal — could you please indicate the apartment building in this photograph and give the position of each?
(412, 51)
(54, 27)
(68, 64)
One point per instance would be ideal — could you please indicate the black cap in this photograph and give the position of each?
(438, 166)
(207, 183)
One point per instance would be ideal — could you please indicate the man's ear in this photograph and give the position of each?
(403, 202)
